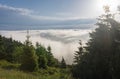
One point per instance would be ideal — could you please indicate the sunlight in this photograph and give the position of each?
(112, 3)
(105, 2)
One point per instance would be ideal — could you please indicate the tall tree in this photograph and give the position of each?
(2, 49)
(79, 53)
(9, 49)
(41, 53)
(51, 60)
(63, 63)
(115, 50)
(101, 58)
(29, 57)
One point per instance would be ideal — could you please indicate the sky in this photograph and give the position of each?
(68, 22)
(21, 14)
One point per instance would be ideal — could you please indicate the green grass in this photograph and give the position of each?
(15, 74)
(11, 71)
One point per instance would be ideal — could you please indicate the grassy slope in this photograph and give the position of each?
(14, 74)
(11, 71)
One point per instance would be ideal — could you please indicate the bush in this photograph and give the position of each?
(48, 71)
(7, 65)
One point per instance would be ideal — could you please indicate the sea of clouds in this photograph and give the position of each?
(63, 42)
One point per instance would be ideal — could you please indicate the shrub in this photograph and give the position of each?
(7, 65)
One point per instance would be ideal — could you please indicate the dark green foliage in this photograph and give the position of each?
(50, 58)
(2, 49)
(79, 53)
(17, 54)
(42, 61)
(78, 69)
(41, 53)
(101, 56)
(56, 63)
(45, 57)
(63, 63)
(29, 58)
(7, 46)
(26, 54)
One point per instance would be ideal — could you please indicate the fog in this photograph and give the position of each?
(63, 42)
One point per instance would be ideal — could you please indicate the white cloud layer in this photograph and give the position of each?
(63, 42)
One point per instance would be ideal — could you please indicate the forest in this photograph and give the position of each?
(98, 59)
(28, 58)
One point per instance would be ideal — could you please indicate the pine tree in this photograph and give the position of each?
(29, 58)
(78, 53)
(115, 50)
(9, 50)
(2, 49)
(42, 56)
(51, 60)
(63, 63)
(102, 57)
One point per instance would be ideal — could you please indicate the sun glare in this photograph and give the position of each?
(111, 3)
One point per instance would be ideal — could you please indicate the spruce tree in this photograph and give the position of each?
(51, 60)
(42, 56)
(63, 63)
(79, 53)
(115, 50)
(29, 57)
(2, 49)
(101, 58)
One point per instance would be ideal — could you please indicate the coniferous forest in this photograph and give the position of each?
(98, 59)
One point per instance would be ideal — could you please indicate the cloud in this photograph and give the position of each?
(64, 36)
(30, 13)
(21, 18)
(17, 10)
(63, 42)
(60, 18)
